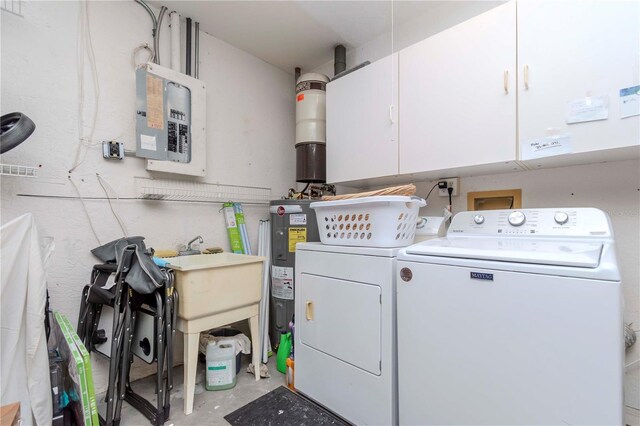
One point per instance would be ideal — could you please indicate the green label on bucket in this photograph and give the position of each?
(220, 367)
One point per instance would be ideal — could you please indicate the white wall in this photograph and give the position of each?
(613, 187)
(250, 127)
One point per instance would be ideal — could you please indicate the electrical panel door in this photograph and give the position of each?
(163, 118)
(170, 121)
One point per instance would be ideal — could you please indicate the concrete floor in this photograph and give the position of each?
(209, 407)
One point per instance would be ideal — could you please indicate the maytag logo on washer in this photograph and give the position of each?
(481, 276)
(406, 274)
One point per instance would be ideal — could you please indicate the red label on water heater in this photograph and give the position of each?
(300, 97)
(280, 211)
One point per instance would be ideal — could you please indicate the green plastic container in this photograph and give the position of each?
(221, 365)
(284, 350)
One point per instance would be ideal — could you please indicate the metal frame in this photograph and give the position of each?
(198, 164)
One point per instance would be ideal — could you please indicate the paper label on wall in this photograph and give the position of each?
(155, 103)
(629, 101)
(298, 219)
(282, 282)
(545, 147)
(296, 235)
(591, 108)
(148, 142)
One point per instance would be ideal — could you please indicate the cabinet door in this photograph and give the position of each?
(458, 95)
(572, 50)
(362, 129)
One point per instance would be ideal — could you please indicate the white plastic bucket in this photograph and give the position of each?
(221, 365)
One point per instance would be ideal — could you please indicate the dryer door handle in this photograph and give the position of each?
(309, 310)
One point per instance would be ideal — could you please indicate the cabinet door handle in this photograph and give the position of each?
(309, 310)
(506, 81)
(391, 110)
(526, 77)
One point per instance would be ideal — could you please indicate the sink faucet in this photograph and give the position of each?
(198, 238)
(189, 250)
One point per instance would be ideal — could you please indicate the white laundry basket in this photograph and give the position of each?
(380, 221)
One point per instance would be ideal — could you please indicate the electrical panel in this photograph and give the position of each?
(170, 121)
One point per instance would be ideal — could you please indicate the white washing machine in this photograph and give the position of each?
(345, 335)
(515, 317)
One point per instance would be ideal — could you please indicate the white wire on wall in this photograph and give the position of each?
(104, 184)
(134, 55)
(95, 234)
(85, 50)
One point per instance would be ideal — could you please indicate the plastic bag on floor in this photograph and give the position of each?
(264, 371)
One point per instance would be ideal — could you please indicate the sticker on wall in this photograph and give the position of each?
(629, 101)
(296, 235)
(148, 142)
(545, 147)
(590, 108)
(282, 282)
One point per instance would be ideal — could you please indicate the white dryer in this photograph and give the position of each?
(345, 335)
(515, 317)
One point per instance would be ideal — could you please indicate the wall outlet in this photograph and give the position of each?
(451, 182)
(112, 150)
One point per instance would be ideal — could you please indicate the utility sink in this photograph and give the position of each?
(210, 284)
(215, 290)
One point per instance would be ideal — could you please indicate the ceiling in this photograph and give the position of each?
(287, 34)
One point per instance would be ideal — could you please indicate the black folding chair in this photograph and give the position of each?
(126, 304)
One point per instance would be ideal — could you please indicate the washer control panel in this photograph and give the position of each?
(517, 218)
(576, 222)
(561, 218)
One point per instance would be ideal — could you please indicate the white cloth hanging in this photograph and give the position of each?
(24, 365)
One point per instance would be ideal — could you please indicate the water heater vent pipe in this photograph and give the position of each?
(340, 61)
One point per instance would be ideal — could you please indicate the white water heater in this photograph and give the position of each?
(311, 125)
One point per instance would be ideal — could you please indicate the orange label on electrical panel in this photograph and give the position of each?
(300, 97)
(155, 102)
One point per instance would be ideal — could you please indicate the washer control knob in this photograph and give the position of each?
(517, 218)
(561, 218)
(478, 219)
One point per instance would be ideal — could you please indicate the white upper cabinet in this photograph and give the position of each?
(362, 124)
(458, 97)
(571, 51)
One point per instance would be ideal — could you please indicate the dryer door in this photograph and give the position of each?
(341, 319)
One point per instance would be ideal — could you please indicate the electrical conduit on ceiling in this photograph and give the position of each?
(155, 31)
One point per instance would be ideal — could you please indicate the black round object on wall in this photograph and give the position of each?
(15, 129)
